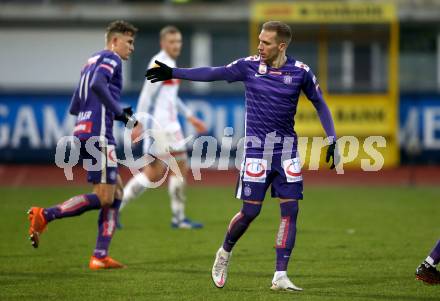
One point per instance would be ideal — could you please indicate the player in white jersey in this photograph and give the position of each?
(161, 102)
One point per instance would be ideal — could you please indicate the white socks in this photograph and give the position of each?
(134, 188)
(278, 275)
(176, 190)
(430, 260)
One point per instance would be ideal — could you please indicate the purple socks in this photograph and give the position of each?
(435, 254)
(73, 207)
(285, 240)
(106, 227)
(239, 224)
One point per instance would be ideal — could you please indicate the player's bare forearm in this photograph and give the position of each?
(198, 124)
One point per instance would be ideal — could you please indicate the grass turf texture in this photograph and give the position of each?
(352, 244)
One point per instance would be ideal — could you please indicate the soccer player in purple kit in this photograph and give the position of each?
(95, 102)
(273, 83)
(426, 271)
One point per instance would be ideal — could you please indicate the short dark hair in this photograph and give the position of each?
(169, 29)
(119, 26)
(284, 33)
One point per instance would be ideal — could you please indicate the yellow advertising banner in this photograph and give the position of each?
(367, 124)
(370, 153)
(325, 12)
(353, 115)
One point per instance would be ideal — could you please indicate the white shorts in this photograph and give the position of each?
(164, 143)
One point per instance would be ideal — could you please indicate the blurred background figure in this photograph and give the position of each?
(161, 102)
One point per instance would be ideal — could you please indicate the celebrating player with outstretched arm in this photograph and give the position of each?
(273, 83)
(95, 102)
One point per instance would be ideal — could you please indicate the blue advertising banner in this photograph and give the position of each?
(420, 129)
(31, 125)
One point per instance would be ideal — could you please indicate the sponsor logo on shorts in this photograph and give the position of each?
(83, 127)
(112, 160)
(292, 170)
(255, 170)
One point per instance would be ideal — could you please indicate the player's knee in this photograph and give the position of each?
(106, 199)
(155, 175)
(119, 191)
(290, 208)
(250, 211)
(105, 196)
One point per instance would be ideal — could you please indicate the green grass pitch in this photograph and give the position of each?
(352, 244)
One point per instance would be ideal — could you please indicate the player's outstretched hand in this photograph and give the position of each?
(198, 124)
(160, 73)
(331, 154)
(127, 117)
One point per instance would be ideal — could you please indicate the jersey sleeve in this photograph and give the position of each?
(75, 103)
(236, 71)
(310, 86)
(109, 65)
(147, 97)
(313, 92)
(231, 73)
(106, 67)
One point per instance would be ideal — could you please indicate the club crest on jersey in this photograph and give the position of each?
(262, 68)
(287, 79)
(255, 170)
(292, 170)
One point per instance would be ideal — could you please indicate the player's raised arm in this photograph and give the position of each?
(229, 73)
(183, 108)
(197, 123)
(314, 94)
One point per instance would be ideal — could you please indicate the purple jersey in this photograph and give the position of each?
(271, 98)
(95, 100)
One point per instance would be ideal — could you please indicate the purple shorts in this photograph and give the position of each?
(284, 173)
(106, 170)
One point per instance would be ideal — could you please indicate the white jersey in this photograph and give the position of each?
(160, 99)
(161, 102)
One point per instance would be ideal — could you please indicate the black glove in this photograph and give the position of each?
(161, 73)
(331, 154)
(127, 116)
